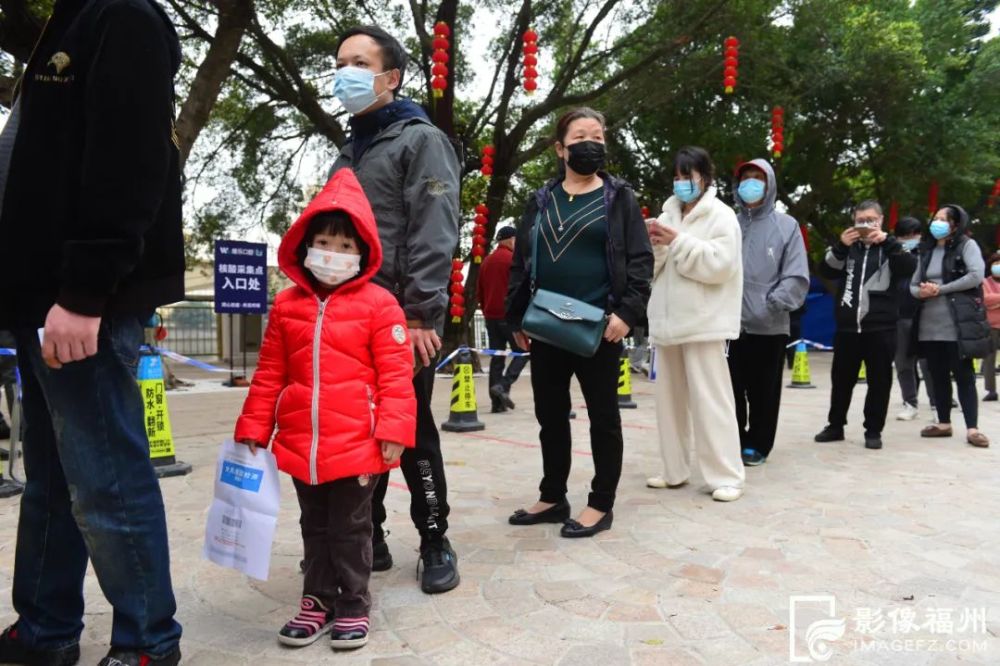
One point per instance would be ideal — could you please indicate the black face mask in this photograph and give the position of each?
(586, 157)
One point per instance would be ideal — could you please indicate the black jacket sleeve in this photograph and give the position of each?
(519, 286)
(638, 262)
(128, 119)
(832, 266)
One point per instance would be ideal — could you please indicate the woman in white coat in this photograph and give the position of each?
(693, 311)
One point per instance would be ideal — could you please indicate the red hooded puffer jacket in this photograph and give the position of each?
(335, 376)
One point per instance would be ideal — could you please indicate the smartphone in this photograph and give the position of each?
(863, 230)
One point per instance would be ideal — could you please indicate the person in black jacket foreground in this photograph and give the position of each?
(950, 325)
(869, 264)
(90, 214)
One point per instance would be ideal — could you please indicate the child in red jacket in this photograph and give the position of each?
(334, 387)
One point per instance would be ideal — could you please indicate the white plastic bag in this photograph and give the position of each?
(244, 513)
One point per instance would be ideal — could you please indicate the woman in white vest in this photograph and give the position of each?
(694, 310)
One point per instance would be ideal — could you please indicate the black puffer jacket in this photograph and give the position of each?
(629, 254)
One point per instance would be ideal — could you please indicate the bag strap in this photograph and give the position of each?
(534, 251)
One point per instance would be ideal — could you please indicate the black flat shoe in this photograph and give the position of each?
(574, 530)
(554, 514)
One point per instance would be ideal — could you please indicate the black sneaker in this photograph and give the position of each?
(873, 441)
(440, 566)
(119, 657)
(497, 408)
(830, 434)
(990, 397)
(13, 651)
(753, 457)
(381, 557)
(499, 393)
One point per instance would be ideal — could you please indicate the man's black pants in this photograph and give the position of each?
(877, 349)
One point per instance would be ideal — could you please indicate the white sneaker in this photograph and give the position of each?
(727, 494)
(907, 413)
(660, 482)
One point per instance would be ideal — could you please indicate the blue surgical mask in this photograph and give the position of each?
(995, 269)
(751, 190)
(911, 244)
(687, 190)
(355, 88)
(940, 229)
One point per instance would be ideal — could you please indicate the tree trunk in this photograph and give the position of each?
(234, 18)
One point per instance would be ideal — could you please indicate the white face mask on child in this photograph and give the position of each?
(332, 268)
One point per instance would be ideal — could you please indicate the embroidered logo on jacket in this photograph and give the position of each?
(60, 61)
(399, 334)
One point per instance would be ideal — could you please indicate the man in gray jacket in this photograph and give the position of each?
(775, 282)
(410, 173)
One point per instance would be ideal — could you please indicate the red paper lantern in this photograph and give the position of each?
(457, 264)
(893, 215)
(479, 220)
(488, 149)
(487, 170)
(481, 209)
(161, 333)
(731, 63)
(932, 197)
(456, 288)
(644, 211)
(441, 44)
(457, 299)
(479, 230)
(457, 312)
(457, 277)
(530, 61)
(777, 131)
(478, 252)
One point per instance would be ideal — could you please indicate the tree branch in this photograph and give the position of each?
(234, 17)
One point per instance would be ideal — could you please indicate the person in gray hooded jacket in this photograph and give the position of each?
(775, 282)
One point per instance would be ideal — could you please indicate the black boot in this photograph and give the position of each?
(381, 557)
(118, 657)
(13, 651)
(440, 566)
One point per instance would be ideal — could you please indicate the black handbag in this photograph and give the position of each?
(561, 321)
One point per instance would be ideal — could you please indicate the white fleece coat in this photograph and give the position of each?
(697, 279)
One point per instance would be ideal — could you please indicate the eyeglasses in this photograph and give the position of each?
(867, 221)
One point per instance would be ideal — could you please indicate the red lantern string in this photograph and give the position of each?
(777, 132)
(932, 197)
(487, 160)
(457, 292)
(440, 58)
(479, 233)
(893, 215)
(731, 64)
(644, 211)
(530, 61)
(805, 235)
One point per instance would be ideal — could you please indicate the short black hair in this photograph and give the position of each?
(695, 158)
(868, 204)
(393, 54)
(908, 226)
(332, 223)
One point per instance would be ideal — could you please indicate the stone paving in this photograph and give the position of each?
(907, 535)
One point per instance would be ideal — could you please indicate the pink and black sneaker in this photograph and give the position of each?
(349, 633)
(313, 621)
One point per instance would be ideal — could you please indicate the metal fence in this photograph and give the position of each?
(192, 328)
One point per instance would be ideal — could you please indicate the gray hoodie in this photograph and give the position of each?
(775, 267)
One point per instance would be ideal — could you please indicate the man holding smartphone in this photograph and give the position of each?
(869, 263)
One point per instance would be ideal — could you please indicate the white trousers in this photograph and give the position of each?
(695, 409)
